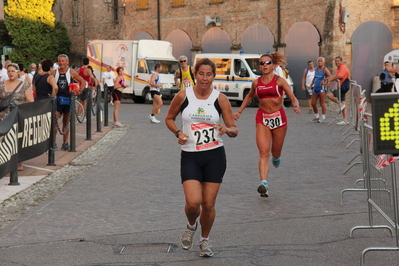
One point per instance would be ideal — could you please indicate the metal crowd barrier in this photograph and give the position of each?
(381, 190)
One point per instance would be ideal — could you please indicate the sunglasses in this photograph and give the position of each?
(183, 61)
(261, 63)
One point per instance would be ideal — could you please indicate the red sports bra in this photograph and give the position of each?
(270, 90)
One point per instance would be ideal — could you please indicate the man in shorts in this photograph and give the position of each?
(342, 75)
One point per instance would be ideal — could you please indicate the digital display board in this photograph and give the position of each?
(385, 112)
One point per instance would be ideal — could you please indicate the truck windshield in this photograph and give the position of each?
(168, 67)
(254, 65)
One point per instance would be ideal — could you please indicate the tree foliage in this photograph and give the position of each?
(34, 32)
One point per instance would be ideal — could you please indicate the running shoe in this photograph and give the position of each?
(342, 123)
(314, 120)
(263, 189)
(205, 249)
(118, 124)
(153, 119)
(186, 240)
(322, 120)
(276, 162)
(65, 146)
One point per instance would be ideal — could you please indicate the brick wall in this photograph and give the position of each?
(95, 20)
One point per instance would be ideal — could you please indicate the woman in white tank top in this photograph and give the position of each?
(203, 159)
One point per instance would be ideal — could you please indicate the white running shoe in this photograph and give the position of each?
(205, 249)
(342, 123)
(322, 120)
(314, 120)
(186, 240)
(153, 119)
(118, 124)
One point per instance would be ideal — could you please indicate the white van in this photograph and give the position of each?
(138, 59)
(235, 73)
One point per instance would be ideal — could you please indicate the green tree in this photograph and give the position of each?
(34, 32)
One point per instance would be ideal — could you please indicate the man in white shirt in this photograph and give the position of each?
(4, 70)
(109, 79)
(32, 71)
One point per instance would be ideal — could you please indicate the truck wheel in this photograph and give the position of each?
(138, 99)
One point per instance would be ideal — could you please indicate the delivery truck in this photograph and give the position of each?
(138, 59)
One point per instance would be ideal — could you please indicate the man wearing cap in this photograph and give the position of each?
(386, 78)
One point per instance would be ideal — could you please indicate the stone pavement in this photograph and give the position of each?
(123, 201)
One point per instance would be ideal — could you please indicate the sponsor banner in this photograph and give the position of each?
(9, 143)
(24, 134)
(34, 128)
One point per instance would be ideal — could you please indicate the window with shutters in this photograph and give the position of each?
(142, 4)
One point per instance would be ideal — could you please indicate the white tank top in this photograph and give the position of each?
(198, 118)
(309, 77)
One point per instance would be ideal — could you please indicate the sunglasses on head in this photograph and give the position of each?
(261, 63)
(183, 61)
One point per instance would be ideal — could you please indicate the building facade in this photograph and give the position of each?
(361, 31)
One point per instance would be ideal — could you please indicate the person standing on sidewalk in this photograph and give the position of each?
(109, 79)
(203, 158)
(155, 90)
(43, 83)
(271, 120)
(63, 76)
(307, 78)
(319, 90)
(88, 76)
(184, 77)
(342, 75)
(117, 95)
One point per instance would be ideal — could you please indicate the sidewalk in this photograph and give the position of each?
(35, 169)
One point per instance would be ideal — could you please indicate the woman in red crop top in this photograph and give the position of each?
(271, 120)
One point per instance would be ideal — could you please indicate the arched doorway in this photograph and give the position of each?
(181, 44)
(216, 40)
(143, 35)
(302, 46)
(370, 42)
(257, 39)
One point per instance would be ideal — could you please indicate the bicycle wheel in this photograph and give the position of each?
(80, 112)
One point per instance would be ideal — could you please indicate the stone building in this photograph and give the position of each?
(361, 31)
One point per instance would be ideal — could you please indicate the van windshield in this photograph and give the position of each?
(254, 65)
(168, 67)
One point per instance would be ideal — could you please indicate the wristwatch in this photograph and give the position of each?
(177, 133)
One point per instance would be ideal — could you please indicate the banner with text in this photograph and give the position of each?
(28, 135)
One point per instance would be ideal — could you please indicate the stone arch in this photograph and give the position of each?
(216, 40)
(182, 44)
(371, 41)
(302, 45)
(143, 35)
(257, 39)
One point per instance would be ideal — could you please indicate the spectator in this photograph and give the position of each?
(22, 94)
(117, 95)
(23, 76)
(386, 78)
(87, 75)
(44, 84)
(109, 79)
(32, 71)
(63, 76)
(342, 75)
(307, 78)
(5, 74)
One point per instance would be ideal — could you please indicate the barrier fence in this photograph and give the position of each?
(27, 131)
(378, 182)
